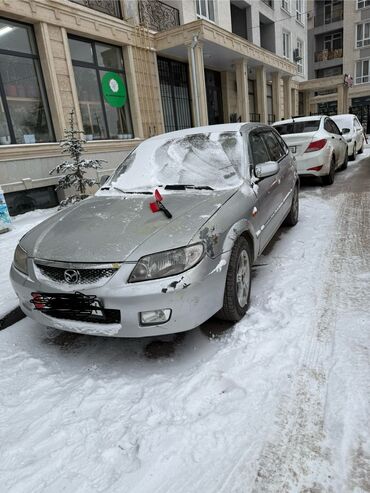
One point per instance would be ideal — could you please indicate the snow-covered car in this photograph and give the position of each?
(130, 263)
(317, 144)
(353, 132)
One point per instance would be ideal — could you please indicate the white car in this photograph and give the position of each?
(353, 132)
(317, 145)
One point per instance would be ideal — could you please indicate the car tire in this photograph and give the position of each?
(329, 179)
(362, 147)
(353, 156)
(345, 162)
(292, 217)
(238, 282)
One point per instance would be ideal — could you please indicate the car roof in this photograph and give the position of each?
(226, 127)
(300, 119)
(346, 116)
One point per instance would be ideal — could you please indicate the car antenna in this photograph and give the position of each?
(158, 206)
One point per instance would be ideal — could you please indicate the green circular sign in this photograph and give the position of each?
(114, 90)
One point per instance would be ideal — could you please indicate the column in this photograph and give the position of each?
(276, 95)
(287, 82)
(261, 93)
(342, 99)
(294, 102)
(241, 71)
(198, 85)
(306, 103)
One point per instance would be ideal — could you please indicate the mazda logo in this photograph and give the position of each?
(71, 276)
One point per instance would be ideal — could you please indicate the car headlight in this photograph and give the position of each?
(168, 263)
(20, 260)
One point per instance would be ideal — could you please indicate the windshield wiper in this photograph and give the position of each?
(130, 191)
(185, 187)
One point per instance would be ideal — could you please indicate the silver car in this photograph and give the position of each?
(168, 241)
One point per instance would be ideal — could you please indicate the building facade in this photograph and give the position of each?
(132, 69)
(339, 51)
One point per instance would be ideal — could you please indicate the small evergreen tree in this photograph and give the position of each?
(75, 168)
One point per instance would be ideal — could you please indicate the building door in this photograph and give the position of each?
(361, 108)
(214, 97)
(175, 94)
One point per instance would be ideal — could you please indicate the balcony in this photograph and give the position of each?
(322, 56)
(322, 19)
(110, 7)
(157, 15)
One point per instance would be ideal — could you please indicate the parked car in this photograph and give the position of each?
(353, 132)
(128, 263)
(317, 144)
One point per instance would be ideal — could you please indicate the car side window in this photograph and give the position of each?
(327, 126)
(259, 153)
(335, 129)
(276, 152)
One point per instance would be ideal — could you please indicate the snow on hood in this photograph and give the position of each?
(113, 229)
(203, 159)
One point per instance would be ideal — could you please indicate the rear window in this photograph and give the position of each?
(298, 127)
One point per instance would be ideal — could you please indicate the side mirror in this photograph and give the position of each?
(345, 131)
(264, 170)
(103, 179)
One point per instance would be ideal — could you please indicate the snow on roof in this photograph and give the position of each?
(225, 127)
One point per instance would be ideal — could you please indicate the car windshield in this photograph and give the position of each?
(299, 127)
(204, 160)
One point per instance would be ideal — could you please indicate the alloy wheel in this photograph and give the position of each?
(242, 278)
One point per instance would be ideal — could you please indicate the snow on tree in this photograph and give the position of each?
(75, 168)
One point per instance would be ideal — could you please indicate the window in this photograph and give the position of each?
(206, 9)
(286, 44)
(328, 72)
(298, 127)
(333, 41)
(331, 127)
(300, 59)
(269, 3)
(275, 150)
(363, 35)
(285, 5)
(259, 153)
(101, 87)
(24, 112)
(299, 10)
(363, 3)
(362, 72)
(333, 11)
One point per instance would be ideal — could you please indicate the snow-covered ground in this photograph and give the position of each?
(279, 402)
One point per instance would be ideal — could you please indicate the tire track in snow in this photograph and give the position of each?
(296, 448)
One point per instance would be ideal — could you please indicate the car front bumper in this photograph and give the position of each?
(193, 297)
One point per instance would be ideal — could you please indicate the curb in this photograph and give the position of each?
(11, 318)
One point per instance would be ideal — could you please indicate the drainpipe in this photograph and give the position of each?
(194, 77)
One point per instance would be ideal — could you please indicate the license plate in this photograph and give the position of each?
(69, 303)
(293, 149)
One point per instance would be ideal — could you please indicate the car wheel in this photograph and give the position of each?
(345, 162)
(329, 179)
(292, 217)
(353, 157)
(238, 282)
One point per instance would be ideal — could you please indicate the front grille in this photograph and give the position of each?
(85, 276)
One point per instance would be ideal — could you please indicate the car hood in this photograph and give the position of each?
(113, 229)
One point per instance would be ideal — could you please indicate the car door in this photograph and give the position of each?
(337, 142)
(265, 220)
(279, 152)
(359, 133)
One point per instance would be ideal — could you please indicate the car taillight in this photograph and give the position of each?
(316, 145)
(315, 168)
